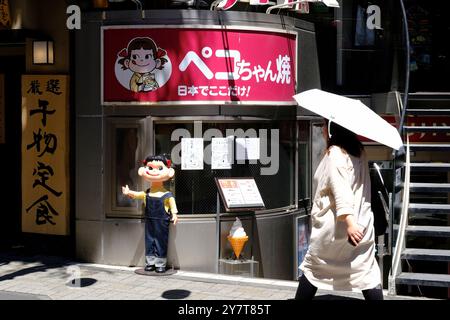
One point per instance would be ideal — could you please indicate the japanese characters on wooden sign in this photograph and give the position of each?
(45, 137)
(2, 108)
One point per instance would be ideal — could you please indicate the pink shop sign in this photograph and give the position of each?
(164, 65)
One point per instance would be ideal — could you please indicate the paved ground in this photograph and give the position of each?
(44, 277)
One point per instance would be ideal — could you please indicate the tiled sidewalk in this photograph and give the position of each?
(42, 277)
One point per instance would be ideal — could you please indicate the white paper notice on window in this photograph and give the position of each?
(221, 153)
(191, 154)
(247, 149)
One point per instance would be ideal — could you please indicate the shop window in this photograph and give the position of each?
(318, 147)
(304, 156)
(196, 191)
(123, 145)
(128, 141)
(430, 49)
(365, 48)
(356, 45)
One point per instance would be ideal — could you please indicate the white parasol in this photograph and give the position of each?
(351, 114)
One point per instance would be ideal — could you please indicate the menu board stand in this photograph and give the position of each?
(240, 194)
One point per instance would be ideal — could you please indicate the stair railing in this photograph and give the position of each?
(401, 233)
(399, 245)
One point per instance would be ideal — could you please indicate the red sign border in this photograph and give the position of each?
(184, 102)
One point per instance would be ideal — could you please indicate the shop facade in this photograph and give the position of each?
(359, 48)
(355, 50)
(117, 127)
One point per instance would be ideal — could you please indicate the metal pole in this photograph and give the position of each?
(380, 247)
(407, 64)
(391, 224)
(218, 231)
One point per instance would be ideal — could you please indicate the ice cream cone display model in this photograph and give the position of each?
(237, 238)
(237, 244)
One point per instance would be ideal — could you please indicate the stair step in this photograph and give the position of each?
(429, 100)
(429, 187)
(428, 197)
(426, 254)
(430, 146)
(419, 166)
(424, 279)
(429, 231)
(427, 128)
(431, 112)
(429, 208)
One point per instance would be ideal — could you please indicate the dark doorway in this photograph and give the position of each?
(12, 66)
(429, 29)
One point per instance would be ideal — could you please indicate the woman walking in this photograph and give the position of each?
(341, 255)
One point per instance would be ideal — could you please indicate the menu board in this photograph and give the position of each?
(240, 193)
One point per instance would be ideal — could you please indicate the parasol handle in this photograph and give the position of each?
(329, 129)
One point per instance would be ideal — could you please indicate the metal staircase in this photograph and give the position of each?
(421, 258)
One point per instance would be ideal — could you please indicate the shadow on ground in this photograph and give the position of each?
(334, 297)
(45, 263)
(81, 282)
(176, 294)
(7, 295)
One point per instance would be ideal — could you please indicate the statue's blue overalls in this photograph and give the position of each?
(156, 230)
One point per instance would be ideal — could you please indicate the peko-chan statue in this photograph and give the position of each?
(160, 209)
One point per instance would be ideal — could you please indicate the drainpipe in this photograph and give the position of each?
(408, 53)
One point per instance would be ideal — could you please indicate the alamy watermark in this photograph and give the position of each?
(73, 21)
(269, 160)
(74, 17)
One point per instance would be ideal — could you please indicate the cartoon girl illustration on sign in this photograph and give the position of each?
(145, 63)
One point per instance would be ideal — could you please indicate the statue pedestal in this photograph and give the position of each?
(142, 272)
(239, 267)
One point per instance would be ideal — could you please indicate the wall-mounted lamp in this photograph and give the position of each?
(43, 52)
(100, 4)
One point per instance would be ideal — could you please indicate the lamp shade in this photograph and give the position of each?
(100, 4)
(43, 52)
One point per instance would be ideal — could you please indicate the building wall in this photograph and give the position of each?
(48, 18)
(23, 14)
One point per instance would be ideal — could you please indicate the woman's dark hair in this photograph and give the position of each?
(164, 158)
(345, 139)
